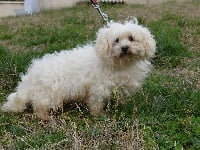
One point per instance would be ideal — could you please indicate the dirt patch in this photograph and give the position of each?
(150, 2)
(154, 9)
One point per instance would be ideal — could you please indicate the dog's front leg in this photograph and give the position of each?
(96, 105)
(41, 112)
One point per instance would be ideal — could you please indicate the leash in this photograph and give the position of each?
(95, 4)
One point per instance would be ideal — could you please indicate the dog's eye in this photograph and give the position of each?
(130, 38)
(117, 40)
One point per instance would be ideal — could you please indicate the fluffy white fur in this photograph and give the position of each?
(119, 57)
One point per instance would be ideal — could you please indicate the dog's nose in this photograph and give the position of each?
(125, 49)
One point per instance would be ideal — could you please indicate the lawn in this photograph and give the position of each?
(164, 114)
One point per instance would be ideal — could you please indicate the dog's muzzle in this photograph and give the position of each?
(125, 49)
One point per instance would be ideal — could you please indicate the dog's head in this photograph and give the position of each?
(125, 43)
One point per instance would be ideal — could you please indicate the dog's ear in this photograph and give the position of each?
(103, 44)
(149, 44)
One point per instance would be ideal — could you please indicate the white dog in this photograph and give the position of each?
(119, 57)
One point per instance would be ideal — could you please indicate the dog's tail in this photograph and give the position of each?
(14, 103)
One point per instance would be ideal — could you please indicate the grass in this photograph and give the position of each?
(163, 114)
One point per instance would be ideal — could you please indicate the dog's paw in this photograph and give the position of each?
(43, 116)
(97, 113)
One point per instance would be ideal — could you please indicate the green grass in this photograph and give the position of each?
(163, 114)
